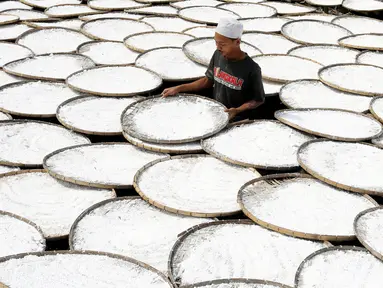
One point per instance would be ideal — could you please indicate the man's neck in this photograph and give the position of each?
(237, 55)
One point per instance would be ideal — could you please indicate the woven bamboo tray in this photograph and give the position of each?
(243, 283)
(288, 96)
(186, 148)
(374, 111)
(182, 238)
(86, 63)
(143, 194)
(226, 158)
(89, 11)
(279, 116)
(363, 239)
(126, 120)
(283, 8)
(346, 89)
(344, 249)
(342, 42)
(328, 180)
(48, 234)
(183, 14)
(95, 181)
(29, 223)
(8, 19)
(154, 87)
(124, 211)
(19, 163)
(96, 6)
(278, 179)
(157, 277)
(43, 4)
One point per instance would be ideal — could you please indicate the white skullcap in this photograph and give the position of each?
(230, 28)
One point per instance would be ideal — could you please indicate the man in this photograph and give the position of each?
(236, 78)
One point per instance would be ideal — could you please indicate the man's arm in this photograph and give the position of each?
(256, 94)
(197, 85)
(200, 84)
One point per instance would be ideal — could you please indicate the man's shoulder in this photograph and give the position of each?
(252, 64)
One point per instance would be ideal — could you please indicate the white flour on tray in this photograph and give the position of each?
(127, 227)
(108, 164)
(314, 94)
(28, 142)
(12, 31)
(171, 64)
(195, 184)
(326, 54)
(69, 10)
(227, 250)
(356, 78)
(364, 41)
(191, 3)
(78, 270)
(352, 164)
(95, 114)
(35, 98)
(53, 40)
(113, 4)
(342, 124)
(263, 144)
(6, 78)
(10, 52)
(200, 31)
(289, 8)
(250, 10)
(17, 236)
(70, 24)
(264, 24)
(305, 205)
(314, 32)
(359, 24)
(26, 14)
(52, 204)
(7, 169)
(371, 58)
(48, 3)
(52, 66)
(114, 14)
(205, 14)
(369, 228)
(147, 41)
(171, 24)
(108, 53)
(114, 29)
(269, 43)
(115, 80)
(341, 268)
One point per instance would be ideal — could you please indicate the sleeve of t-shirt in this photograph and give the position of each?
(210, 70)
(257, 91)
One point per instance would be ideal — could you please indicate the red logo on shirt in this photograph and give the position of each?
(227, 79)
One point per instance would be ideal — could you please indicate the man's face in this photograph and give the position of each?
(225, 45)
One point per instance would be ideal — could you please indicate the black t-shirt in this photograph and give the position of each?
(235, 82)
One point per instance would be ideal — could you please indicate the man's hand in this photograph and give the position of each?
(170, 91)
(232, 112)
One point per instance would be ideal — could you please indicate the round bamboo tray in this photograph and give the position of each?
(344, 249)
(90, 11)
(182, 238)
(221, 124)
(56, 235)
(328, 180)
(143, 194)
(147, 11)
(187, 148)
(181, 13)
(373, 110)
(300, 9)
(86, 64)
(115, 94)
(229, 159)
(373, 250)
(288, 96)
(156, 275)
(105, 36)
(362, 46)
(5, 116)
(121, 211)
(279, 116)
(307, 42)
(139, 49)
(96, 6)
(8, 19)
(43, 4)
(249, 283)
(40, 114)
(29, 223)
(18, 163)
(96, 184)
(345, 89)
(278, 179)
(65, 122)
